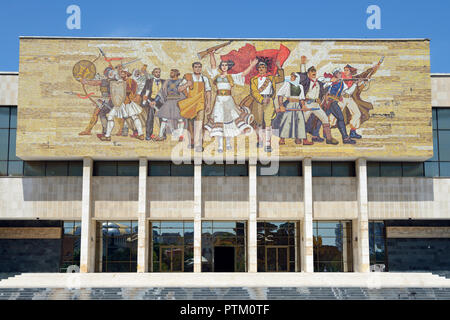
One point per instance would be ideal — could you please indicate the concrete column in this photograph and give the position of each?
(361, 234)
(143, 225)
(198, 216)
(87, 254)
(307, 257)
(252, 249)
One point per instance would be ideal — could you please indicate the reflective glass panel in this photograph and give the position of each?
(105, 168)
(4, 117)
(443, 118)
(236, 170)
(128, 168)
(12, 145)
(34, 168)
(56, 168)
(435, 147)
(444, 145)
(444, 169)
(373, 169)
(431, 169)
(182, 170)
(161, 169)
(413, 169)
(290, 169)
(13, 119)
(3, 168)
(321, 169)
(76, 168)
(15, 168)
(4, 144)
(391, 169)
(343, 169)
(213, 170)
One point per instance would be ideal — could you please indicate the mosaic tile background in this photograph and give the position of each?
(50, 120)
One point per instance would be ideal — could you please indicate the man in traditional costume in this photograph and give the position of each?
(336, 87)
(128, 109)
(103, 105)
(314, 92)
(168, 97)
(355, 110)
(261, 102)
(291, 102)
(148, 95)
(197, 89)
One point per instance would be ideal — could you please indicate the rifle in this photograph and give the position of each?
(204, 53)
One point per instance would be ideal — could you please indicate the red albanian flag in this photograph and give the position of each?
(247, 53)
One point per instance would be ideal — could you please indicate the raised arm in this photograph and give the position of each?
(253, 63)
(212, 60)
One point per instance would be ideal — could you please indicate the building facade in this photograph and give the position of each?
(71, 201)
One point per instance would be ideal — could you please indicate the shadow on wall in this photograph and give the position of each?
(400, 189)
(334, 189)
(280, 189)
(52, 188)
(115, 189)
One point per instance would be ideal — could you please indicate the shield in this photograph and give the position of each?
(118, 92)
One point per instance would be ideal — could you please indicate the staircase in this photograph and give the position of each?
(225, 286)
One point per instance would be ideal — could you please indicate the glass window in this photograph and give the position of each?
(76, 168)
(3, 168)
(213, 170)
(444, 169)
(172, 246)
(12, 145)
(391, 169)
(128, 168)
(70, 245)
(161, 169)
(223, 246)
(56, 168)
(434, 112)
(443, 115)
(321, 169)
(444, 145)
(343, 169)
(34, 168)
(431, 169)
(373, 169)
(13, 119)
(413, 169)
(117, 246)
(182, 170)
(4, 117)
(105, 168)
(332, 246)
(236, 170)
(290, 169)
(4, 143)
(435, 147)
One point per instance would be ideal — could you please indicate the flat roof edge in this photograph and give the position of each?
(9, 73)
(440, 75)
(193, 38)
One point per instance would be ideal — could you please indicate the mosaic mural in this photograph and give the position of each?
(124, 98)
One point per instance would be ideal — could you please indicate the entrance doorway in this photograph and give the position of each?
(172, 259)
(277, 258)
(224, 259)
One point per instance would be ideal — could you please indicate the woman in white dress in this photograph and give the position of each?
(227, 120)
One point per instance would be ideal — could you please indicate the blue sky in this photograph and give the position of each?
(227, 19)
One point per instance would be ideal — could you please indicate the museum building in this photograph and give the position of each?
(116, 213)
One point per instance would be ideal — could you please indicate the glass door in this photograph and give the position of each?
(277, 258)
(172, 259)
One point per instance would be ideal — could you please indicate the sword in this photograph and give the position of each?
(80, 94)
(130, 62)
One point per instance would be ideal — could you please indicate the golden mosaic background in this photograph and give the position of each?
(49, 120)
